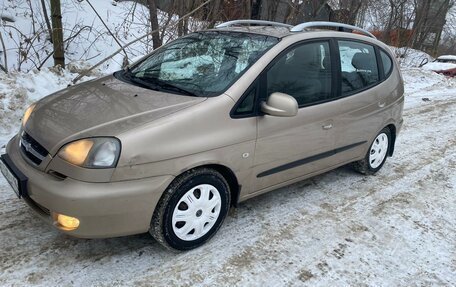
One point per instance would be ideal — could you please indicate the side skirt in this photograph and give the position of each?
(309, 159)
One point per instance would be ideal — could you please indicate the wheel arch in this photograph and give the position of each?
(227, 173)
(392, 144)
(230, 177)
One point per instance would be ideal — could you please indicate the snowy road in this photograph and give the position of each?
(395, 228)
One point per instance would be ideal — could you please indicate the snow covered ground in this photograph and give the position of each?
(397, 228)
(19, 90)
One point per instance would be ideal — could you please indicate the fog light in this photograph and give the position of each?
(66, 222)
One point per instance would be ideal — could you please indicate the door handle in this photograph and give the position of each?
(327, 127)
(381, 105)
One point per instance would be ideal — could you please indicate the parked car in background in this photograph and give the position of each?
(216, 117)
(445, 65)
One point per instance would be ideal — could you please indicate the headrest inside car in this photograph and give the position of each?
(363, 61)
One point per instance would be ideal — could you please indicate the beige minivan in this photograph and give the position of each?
(213, 118)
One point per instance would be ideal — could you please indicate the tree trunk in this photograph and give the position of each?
(157, 42)
(255, 10)
(214, 13)
(4, 68)
(46, 19)
(179, 9)
(57, 33)
(248, 9)
(431, 20)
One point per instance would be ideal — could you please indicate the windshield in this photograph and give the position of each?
(201, 64)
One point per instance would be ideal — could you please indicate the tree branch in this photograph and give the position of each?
(5, 68)
(81, 75)
(107, 28)
(46, 19)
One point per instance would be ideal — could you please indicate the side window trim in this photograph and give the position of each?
(336, 85)
(261, 79)
(381, 80)
(381, 71)
(381, 60)
(263, 76)
(336, 70)
(233, 113)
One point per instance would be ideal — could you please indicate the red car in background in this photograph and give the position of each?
(445, 65)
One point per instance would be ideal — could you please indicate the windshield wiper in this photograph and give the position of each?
(169, 86)
(140, 82)
(154, 83)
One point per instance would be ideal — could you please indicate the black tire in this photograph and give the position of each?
(364, 166)
(162, 227)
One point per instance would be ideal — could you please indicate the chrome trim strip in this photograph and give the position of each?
(258, 22)
(312, 24)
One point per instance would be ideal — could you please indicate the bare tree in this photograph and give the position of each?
(180, 7)
(397, 19)
(248, 9)
(57, 33)
(5, 67)
(430, 20)
(46, 19)
(156, 40)
(448, 42)
(191, 13)
(348, 11)
(215, 10)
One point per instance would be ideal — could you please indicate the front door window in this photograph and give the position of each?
(304, 73)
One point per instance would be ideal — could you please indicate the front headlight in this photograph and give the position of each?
(92, 152)
(27, 114)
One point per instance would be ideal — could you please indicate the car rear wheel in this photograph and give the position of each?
(376, 155)
(191, 210)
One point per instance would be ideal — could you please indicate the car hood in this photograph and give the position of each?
(102, 107)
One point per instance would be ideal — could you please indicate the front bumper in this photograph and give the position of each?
(103, 209)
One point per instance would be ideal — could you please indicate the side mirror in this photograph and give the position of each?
(280, 105)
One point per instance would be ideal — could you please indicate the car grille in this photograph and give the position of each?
(32, 149)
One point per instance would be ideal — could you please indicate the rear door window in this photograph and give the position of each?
(358, 66)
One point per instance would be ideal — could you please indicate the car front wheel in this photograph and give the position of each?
(191, 210)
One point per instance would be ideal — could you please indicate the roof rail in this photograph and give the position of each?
(339, 26)
(257, 22)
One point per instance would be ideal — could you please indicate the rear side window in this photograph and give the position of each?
(358, 65)
(387, 63)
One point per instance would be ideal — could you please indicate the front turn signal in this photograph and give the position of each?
(65, 222)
